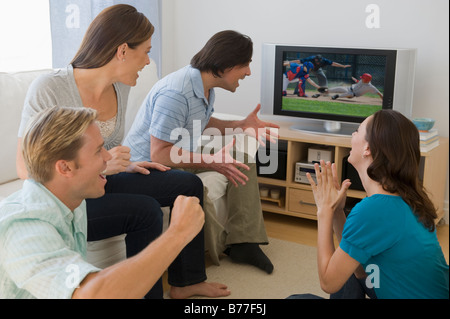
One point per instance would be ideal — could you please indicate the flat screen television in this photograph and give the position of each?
(330, 90)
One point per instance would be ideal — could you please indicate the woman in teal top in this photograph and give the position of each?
(388, 241)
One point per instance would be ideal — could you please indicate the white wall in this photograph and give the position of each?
(188, 24)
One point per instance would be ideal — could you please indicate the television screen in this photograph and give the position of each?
(334, 84)
(333, 89)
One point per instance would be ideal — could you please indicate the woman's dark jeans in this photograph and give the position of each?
(132, 205)
(354, 288)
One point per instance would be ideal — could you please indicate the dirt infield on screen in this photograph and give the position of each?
(362, 106)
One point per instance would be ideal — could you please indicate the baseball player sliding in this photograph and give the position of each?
(358, 89)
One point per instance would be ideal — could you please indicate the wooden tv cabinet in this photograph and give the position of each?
(296, 199)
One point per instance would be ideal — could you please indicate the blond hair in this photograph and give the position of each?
(54, 134)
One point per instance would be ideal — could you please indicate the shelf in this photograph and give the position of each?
(297, 197)
(271, 181)
(279, 201)
(299, 185)
(356, 194)
(272, 208)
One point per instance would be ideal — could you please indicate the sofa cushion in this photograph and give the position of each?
(13, 90)
(7, 189)
(106, 252)
(215, 182)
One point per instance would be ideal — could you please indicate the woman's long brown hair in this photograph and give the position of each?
(395, 148)
(111, 28)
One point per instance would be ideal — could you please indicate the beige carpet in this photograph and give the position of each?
(295, 272)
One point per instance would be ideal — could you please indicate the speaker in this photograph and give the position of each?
(348, 171)
(278, 151)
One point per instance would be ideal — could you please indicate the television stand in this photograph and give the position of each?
(298, 197)
(326, 127)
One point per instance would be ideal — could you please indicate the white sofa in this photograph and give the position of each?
(13, 88)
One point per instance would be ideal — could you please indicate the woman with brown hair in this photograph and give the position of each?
(114, 49)
(388, 240)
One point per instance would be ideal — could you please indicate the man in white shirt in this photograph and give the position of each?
(43, 226)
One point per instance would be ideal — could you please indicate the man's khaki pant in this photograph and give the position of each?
(245, 223)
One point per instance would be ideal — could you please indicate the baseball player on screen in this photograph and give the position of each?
(358, 89)
(298, 72)
(319, 62)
